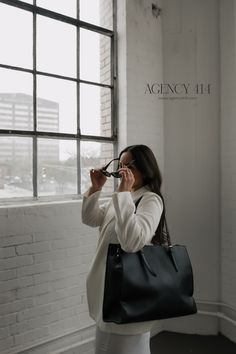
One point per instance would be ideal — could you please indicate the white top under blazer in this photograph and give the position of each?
(118, 223)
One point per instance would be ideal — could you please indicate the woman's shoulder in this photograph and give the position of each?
(149, 196)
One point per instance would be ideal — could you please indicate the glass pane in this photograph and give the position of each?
(57, 167)
(15, 167)
(16, 37)
(56, 105)
(65, 7)
(97, 12)
(95, 155)
(56, 47)
(95, 110)
(16, 100)
(95, 62)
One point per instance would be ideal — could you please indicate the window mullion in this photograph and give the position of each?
(113, 58)
(114, 90)
(35, 142)
(78, 101)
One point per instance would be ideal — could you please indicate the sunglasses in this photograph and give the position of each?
(115, 174)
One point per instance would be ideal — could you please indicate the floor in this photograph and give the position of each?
(178, 343)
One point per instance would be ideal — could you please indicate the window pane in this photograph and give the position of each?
(57, 167)
(95, 118)
(95, 155)
(16, 102)
(15, 167)
(97, 12)
(16, 37)
(95, 57)
(56, 105)
(56, 47)
(65, 7)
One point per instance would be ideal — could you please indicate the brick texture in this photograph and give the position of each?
(42, 274)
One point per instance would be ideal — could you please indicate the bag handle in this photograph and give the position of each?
(166, 231)
(170, 251)
(167, 234)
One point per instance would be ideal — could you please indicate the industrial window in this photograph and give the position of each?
(57, 95)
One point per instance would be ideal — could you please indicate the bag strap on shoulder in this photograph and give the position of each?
(166, 231)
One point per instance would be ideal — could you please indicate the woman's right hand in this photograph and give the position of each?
(98, 180)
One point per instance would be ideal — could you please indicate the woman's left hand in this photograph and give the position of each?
(127, 180)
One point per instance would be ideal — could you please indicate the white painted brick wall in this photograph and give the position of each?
(144, 64)
(44, 258)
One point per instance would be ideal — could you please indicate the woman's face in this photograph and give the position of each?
(125, 160)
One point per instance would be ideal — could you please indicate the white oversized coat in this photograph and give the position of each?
(118, 223)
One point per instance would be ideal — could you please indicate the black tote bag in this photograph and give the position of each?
(153, 283)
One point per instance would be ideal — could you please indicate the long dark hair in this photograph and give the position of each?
(146, 163)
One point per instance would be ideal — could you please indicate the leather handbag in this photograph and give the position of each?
(153, 283)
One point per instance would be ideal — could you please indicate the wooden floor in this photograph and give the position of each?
(178, 343)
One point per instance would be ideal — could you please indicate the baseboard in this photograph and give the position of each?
(78, 342)
(212, 318)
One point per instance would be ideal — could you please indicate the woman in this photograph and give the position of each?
(119, 222)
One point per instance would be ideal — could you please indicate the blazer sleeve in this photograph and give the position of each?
(134, 231)
(92, 212)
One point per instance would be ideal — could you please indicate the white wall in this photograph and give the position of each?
(192, 143)
(142, 63)
(228, 161)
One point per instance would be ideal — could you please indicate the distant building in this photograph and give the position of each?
(16, 112)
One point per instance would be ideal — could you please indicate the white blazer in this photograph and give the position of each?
(118, 223)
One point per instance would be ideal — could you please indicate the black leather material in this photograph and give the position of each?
(155, 283)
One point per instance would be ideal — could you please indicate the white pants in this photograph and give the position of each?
(109, 343)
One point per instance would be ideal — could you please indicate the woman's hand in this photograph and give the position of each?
(98, 180)
(127, 180)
